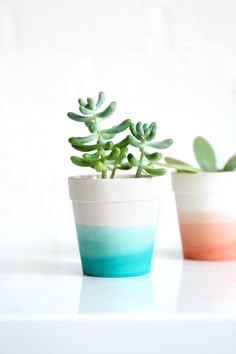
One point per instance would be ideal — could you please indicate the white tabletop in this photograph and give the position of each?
(44, 284)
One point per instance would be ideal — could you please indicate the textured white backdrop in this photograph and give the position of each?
(172, 61)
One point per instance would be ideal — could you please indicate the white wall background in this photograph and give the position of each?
(172, 61)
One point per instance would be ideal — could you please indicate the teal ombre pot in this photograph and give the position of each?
(116, 224)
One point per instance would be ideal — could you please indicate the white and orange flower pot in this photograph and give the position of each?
(206, 206)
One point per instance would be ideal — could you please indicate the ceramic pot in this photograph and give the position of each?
(116, 224)
(207, 214)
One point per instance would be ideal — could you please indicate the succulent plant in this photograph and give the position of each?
(206, 158)
(104, 155)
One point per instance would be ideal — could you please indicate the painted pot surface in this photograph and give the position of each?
(116, 224)
(207, 214)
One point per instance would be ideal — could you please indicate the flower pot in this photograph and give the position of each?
(207, 214)
(116, 224)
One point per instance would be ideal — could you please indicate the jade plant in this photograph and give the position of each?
(102, 151)
(206, 158)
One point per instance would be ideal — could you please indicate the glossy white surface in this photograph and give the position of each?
(47, 306)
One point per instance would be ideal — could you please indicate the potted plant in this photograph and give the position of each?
(115, 214)
(205, 199)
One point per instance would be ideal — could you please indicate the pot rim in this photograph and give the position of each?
(97, 177)
(89, 188)
(174, 173)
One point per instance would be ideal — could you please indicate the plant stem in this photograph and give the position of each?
(140, 165)
(100, 147)
(113, 172)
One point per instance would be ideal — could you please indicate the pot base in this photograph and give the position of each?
(209, 241)
(119, 266)
(108, 251)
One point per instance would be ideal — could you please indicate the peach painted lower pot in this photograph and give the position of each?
(206, 206)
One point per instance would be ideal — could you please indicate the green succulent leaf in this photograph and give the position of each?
(123, 143)
(118, 128)
(92, 128)
(124, 167)
(179, 165)
(79, 118)
(77, 141)
(122, 156)
(134, 142)
(85, 148)
(146, 129)
(156, 156)
(231, 164)
(82, 102)
(79, 162)
(153, 130)
(91, 104)
(140, 131)
(99, 166)
(86, 111)
(108, 111)
(101, 99)
(132, 160)
(134, 132)
(91, 157)
(114, 154)
(204, 154)
(108, 145)
(155, 171)
(108, 136)
(161, 144)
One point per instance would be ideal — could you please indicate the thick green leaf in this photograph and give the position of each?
(108, 136)
(99, 166)
(91, 157)
(153, 130)
(123, 143)
(146, 129)
(101, 99)
(77, 141)
(204, 154)
(155, 171)
(86, 111)
(124, 166)
(114, 154)
(85, 148)
(108, 145)
(156, 156)
(118, 128)
(179, 165)
(134, 132)
(231, 164)
(79, 162)
(140, 131)
(122, 156)
(108, 111)
(82, 102)
(161, 144)
(132, 160)
(91, 103)
(134, 142)
(78, 118)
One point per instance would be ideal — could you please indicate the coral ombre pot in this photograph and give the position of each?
(206, 206)
(116, 224)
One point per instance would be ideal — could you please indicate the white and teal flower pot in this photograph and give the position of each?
(116, 224)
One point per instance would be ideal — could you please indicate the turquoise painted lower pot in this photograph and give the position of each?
(116, 223)
(115, 251)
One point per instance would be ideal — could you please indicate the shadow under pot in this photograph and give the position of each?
(116, 224)
(207, 214)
